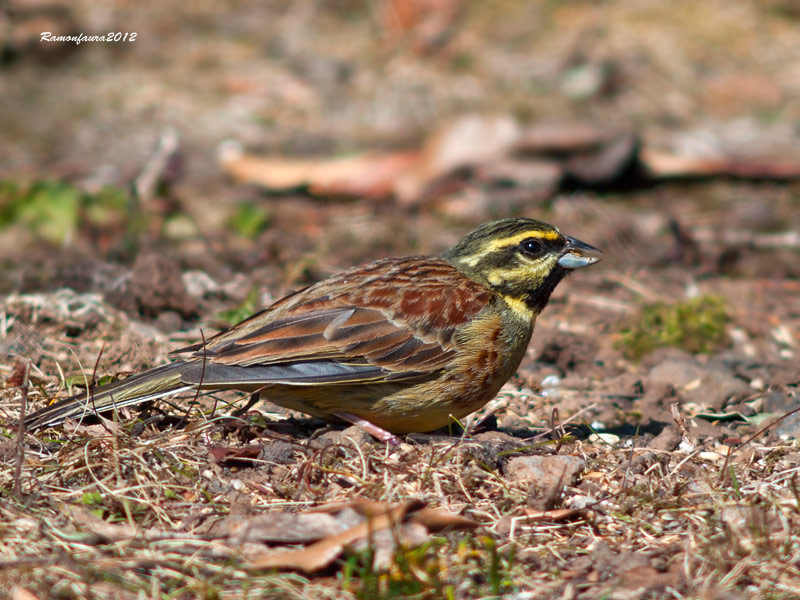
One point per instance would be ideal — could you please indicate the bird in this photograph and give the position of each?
(396, 346)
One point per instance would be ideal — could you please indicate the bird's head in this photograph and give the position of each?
(521, 259)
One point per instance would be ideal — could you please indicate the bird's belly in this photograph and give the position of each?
(415, 405)
(424, 406)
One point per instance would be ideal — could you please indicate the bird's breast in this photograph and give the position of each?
(489, 350)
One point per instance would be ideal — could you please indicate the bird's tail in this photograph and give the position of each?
(150, 385)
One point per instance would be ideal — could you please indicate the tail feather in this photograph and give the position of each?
(150, 385)
(195, 374)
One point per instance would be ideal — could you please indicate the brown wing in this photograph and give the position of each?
(392, 318)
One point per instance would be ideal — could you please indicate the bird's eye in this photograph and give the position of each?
(532, 247)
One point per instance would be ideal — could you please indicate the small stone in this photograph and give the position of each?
(216, 486)
(778, 401)
(580, 502)
(486, 448)
(606, 438)
(712, 456)
(586, 80)
(498, 438)
(277, 452)
(169, 321)
(710, 386)
(354, 433)
(545, 469)
(667, 440)
(789, 428)
(514, 424)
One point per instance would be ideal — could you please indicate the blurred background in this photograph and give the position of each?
(234, 151)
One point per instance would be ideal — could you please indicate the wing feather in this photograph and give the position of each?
(387, 321)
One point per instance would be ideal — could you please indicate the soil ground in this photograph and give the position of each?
(682, 490)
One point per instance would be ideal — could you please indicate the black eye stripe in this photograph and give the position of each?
(532, 247)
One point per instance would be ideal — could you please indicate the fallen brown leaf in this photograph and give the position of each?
(317, 556)
(467, 141)
(385, 526)
(371, 175)
(283, 527)
(663, 164)
(561, 138)
(436, 520)
(20, 593)
(224, 454)
(558, 514)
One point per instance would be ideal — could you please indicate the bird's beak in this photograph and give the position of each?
(578, 254)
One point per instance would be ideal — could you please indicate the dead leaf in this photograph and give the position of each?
(666, 165)
(385, 526)
(317, 556)
(468, 141)
(104, 429)
(384, 543)
(531, 173)
(558, 514)
(364, 507)
(115, 532)
(371, 175)
(20, 593)
(17, 376)
(561, 138)
(225, 454)
(436, 520)
(283, 527)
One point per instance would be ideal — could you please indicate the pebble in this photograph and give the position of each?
(710, 386)
(712, 456)
(546, 477)
(608, 438)
(545, 469)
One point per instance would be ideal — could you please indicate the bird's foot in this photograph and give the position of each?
(377, 432)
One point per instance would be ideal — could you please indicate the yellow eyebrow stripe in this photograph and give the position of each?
(474, 259)
(516, 239)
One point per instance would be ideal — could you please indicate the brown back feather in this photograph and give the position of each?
(397, 314)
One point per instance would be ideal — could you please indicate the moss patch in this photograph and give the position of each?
(697, 326)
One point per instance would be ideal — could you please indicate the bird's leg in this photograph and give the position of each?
(372, 429)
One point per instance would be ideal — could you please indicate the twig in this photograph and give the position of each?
(675, 408)
(630, 459)
(90, 392)
(21, 432)
(766, 241)
(200, 385)
(145, 184)
(635, 286)
(558, 427)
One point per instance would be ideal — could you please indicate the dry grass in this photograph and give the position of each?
(129, 509)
